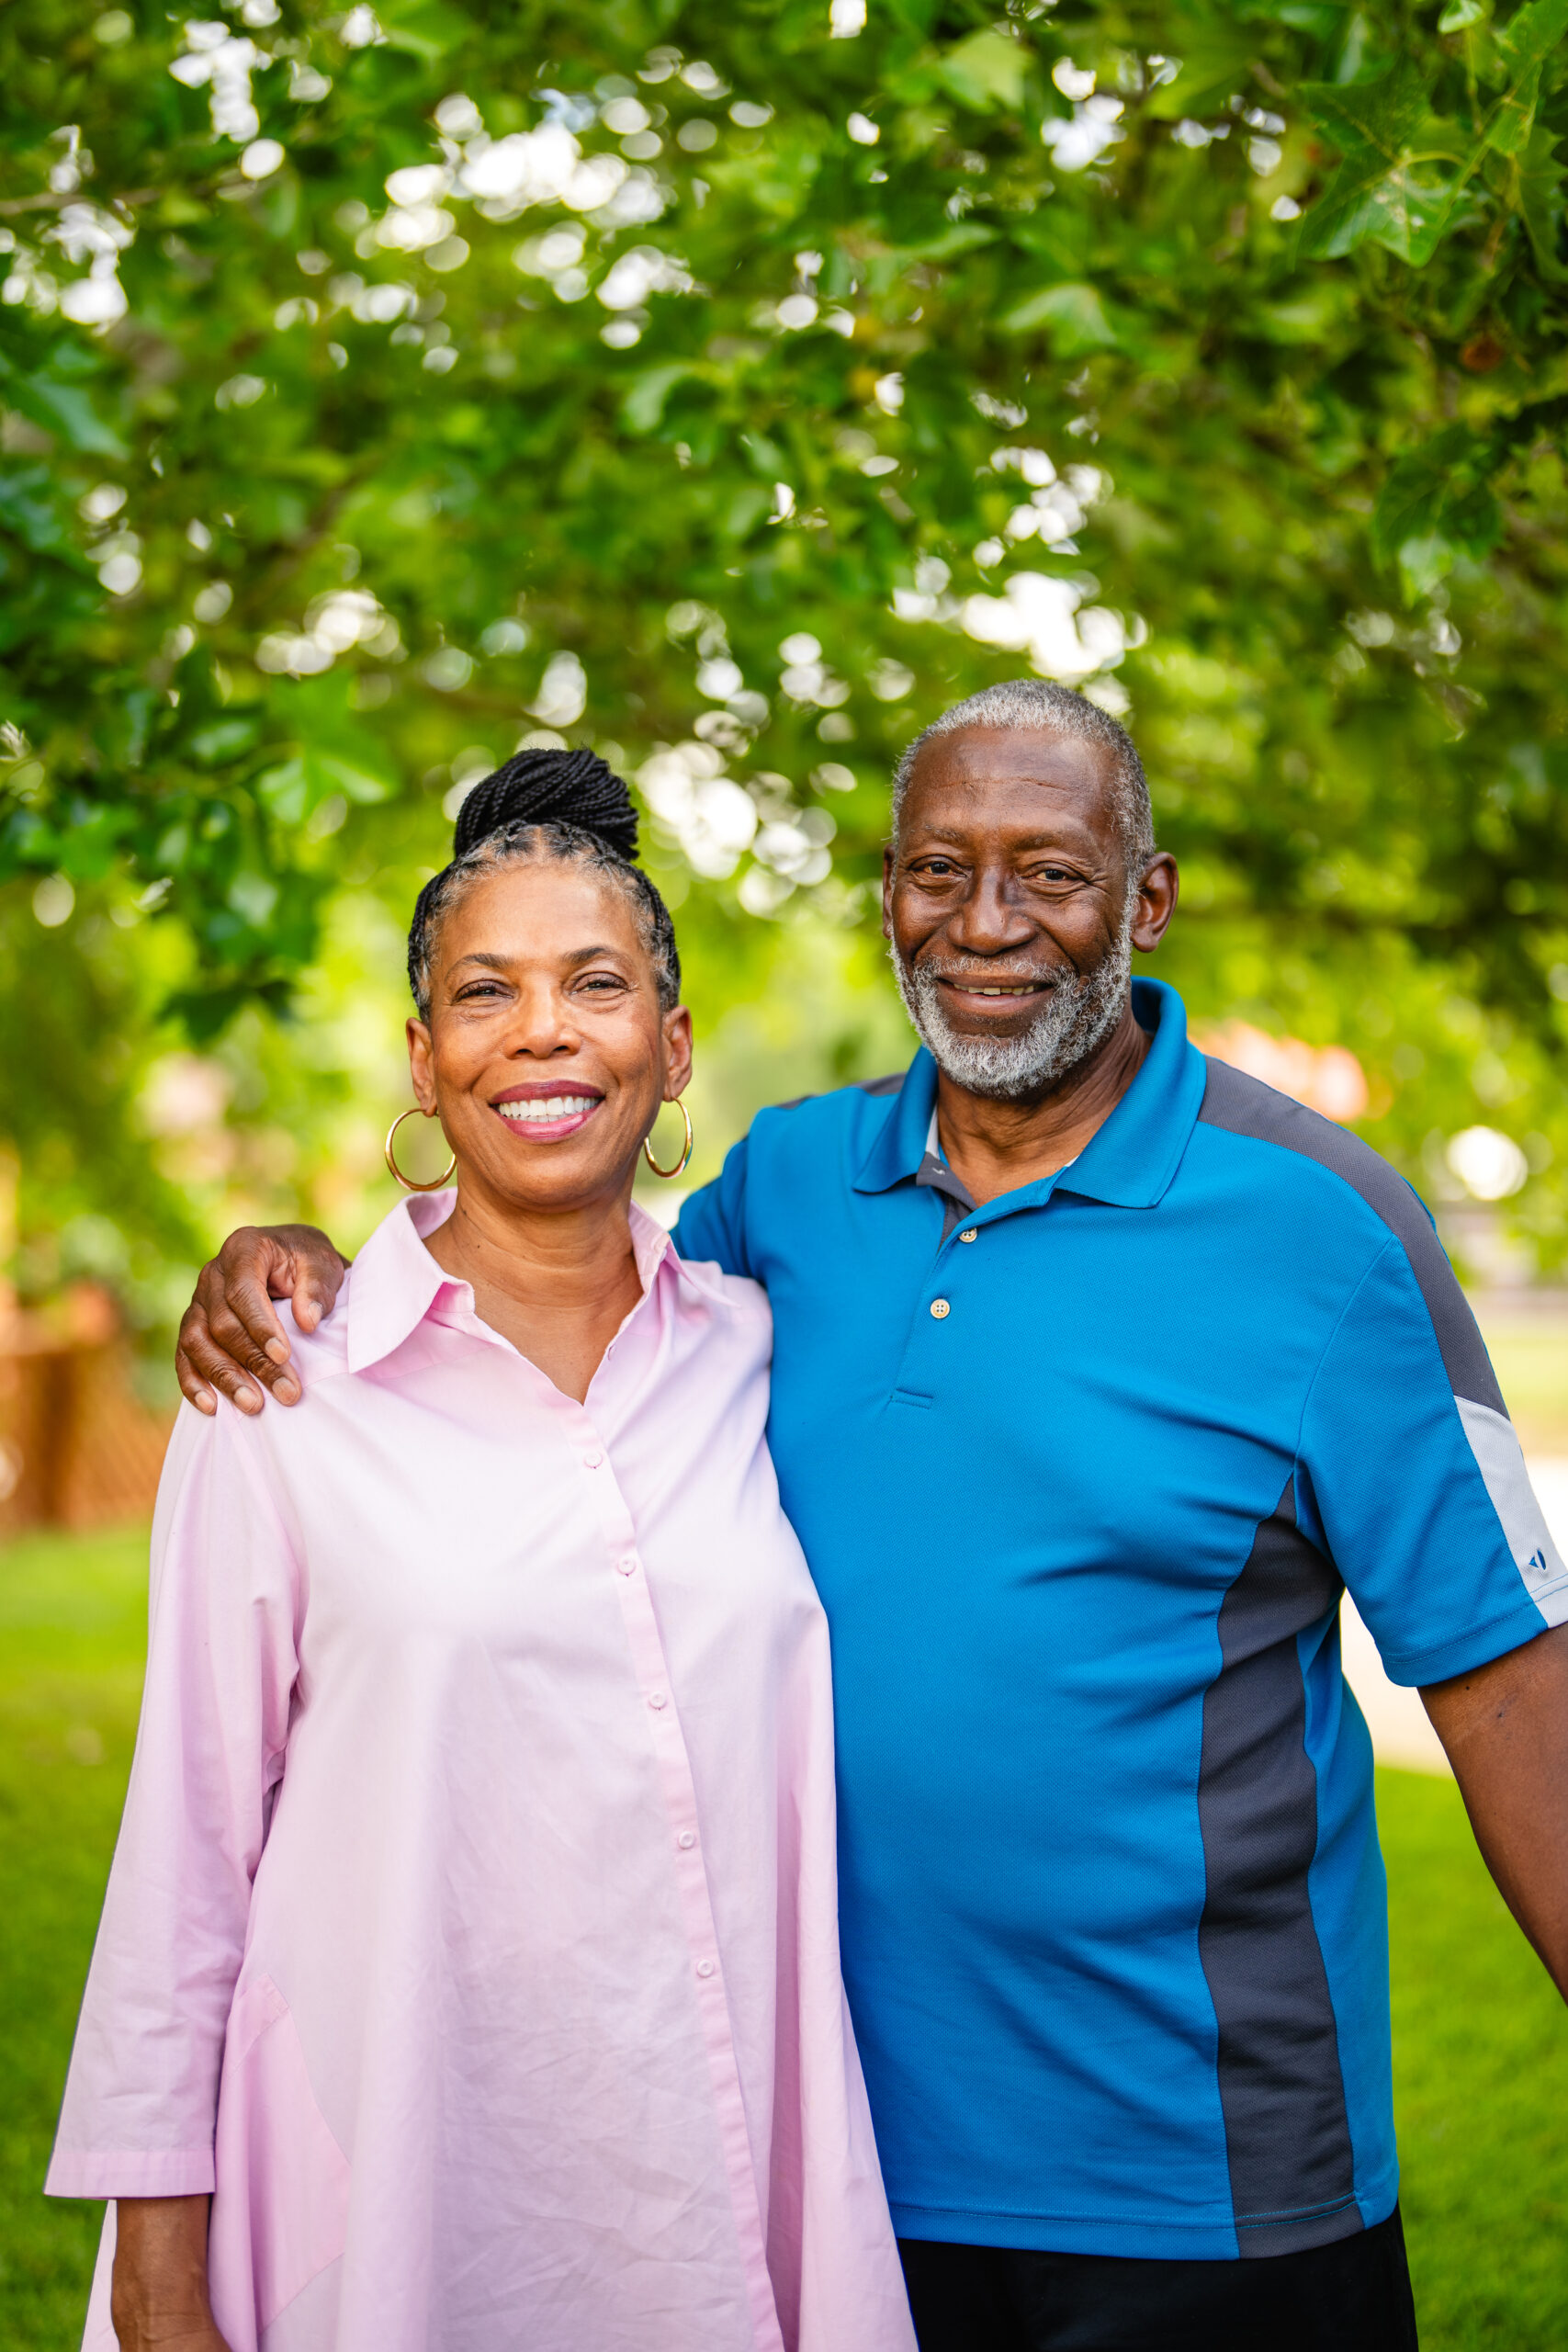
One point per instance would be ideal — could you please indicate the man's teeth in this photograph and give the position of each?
(1034, 989)
(549, 1107)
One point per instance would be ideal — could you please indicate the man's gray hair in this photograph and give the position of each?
(1033, 706)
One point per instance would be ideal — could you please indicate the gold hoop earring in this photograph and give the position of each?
(679, 1167)
(407, 1182)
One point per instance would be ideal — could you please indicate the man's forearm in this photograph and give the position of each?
(1505, 1731)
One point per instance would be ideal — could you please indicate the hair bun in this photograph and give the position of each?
(545, 787)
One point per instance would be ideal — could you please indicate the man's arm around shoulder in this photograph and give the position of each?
(230, 1339)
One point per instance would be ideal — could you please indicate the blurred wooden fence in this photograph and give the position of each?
(78, 1447)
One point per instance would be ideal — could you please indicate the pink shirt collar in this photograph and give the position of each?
(395, 1280)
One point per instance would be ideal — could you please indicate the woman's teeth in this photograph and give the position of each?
(552, 1106)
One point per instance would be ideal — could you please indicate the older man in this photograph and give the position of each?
(1100, 1371)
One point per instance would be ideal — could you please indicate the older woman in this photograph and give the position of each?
(470, 1944)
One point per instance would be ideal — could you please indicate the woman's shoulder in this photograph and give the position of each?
(736, 1295)
(317, 1354)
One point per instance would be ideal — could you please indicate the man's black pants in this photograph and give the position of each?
(1352, 2296)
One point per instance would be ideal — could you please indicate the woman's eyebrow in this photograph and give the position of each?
(587, 955)
(496, 962)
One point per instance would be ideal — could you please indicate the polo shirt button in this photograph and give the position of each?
(627, 1567)
(972, 1234)
(705, 1968)
(939, 1307)
(686, 1840)
(593, 1461)
(656, 1699)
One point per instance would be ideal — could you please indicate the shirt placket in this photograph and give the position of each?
(678, 1789)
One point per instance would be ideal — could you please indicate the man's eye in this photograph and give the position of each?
(1054, 874)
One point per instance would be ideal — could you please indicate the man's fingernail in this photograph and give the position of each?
(286, 1391)
(248, 1400)
(278, 1350)
(204, 1401)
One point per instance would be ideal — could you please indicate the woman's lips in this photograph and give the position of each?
(545, 1118)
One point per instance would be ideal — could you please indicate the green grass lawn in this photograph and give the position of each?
(1481, 2041)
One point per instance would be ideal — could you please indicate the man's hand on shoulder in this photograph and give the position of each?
(231, 1339)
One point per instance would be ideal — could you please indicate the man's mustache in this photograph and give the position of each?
(988, 976)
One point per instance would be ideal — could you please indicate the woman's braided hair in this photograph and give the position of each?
(566, 806)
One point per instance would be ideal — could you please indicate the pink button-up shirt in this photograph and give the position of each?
(472, 1930)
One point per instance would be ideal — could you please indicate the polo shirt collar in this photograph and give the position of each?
(395, 1282)
(1129, 1162)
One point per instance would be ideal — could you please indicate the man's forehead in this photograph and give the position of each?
(1015, 770)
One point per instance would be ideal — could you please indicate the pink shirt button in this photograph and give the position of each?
(686, 1840)
(705, 1967)
(628, 1566)
(593, 1461)
(656, 1699)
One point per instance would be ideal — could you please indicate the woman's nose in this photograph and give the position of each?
(540, 1024)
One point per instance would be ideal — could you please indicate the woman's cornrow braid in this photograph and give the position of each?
(568, 806)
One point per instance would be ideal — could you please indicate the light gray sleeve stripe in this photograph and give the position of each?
(1245, 1106)
(1495, 1443)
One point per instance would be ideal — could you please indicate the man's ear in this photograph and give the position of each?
(1157, 894)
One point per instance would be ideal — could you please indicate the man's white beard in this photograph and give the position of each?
(1076, 1014)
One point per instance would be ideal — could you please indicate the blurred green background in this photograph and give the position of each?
(731, 387)
(1481, 2057)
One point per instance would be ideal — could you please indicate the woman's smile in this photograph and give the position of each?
(546, 1113)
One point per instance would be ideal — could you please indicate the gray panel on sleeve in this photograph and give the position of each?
(1495, 1443)
(1245, 1106)
(1282, 2091)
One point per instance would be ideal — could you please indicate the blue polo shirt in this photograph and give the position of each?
(1081, 1476)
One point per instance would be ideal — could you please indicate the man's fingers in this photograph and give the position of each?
(204, 1367)
(317, 1276)
(192, 1386)
(232, 1323)
(246, 1269)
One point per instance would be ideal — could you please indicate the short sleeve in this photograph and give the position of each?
(711, 1228)
(1421, 1495)
(141, 2098)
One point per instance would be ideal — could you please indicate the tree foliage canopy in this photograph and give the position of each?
(736, 385)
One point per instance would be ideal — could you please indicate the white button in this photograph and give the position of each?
(972, 1235)
(686, 1840)
(705, 1967)
(939, 1307)
(627, 1567)
(656, 1699)
(592, 1461)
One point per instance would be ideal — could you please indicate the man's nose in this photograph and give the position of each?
(989, 920)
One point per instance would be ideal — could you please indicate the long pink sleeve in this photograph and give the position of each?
(143, 2094)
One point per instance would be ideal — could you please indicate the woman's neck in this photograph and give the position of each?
(558, 1286)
